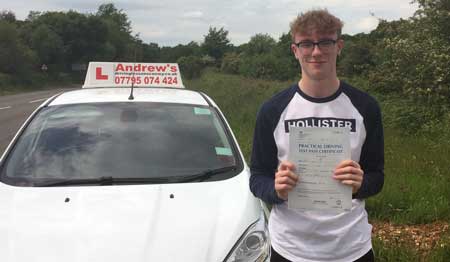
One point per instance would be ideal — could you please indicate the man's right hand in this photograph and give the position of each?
(285, 179)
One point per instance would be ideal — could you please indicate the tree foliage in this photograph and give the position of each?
(172, 54)
(357, 56)
(67, 38)
(415, 61)
(190, 66)
(231, 63)
(260, 44)
(15, 58)
(263, 57)
(47, 45)
(119, 18)
(7, 16)
(216, 43)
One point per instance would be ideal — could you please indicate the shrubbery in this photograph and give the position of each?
(416, 65)
(190, 66)
(264, 58)
(266, 66)
(231, 63)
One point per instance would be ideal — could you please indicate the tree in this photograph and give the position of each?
(83, 36)
(415, 62)
(357, 56)
(47, 45)
(172, 54)
(118, 28)
(118, 17)
(436, 14)
(32, 15)
(15, 58)
(152, 53)
(7, 16)
(284, 52)
(216, 43)
(134, 50)
(260, 44)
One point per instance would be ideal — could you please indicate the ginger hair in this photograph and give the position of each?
(320, 21)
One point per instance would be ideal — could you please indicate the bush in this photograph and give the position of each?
(414, 62)
(354, 60)
(190, 66)
(412, 115)
(231, 63)
(267, 66)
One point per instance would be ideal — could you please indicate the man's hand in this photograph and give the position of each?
(349, 173)
(285, 179)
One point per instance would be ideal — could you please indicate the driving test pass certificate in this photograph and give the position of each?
(316, 152)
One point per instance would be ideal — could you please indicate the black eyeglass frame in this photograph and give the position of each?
(322, 44)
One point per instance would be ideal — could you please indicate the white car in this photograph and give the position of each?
(115, 174)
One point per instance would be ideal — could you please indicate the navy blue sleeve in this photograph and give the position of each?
(264, 161)
(372, 152)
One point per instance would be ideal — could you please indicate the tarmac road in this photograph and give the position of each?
(15, 109)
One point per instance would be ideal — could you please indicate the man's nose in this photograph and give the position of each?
(316, 50)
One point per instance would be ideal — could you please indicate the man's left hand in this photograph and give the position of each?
(349, 173)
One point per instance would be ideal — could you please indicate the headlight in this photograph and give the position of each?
(254, 245)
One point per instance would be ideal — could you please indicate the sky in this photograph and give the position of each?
(173, 22)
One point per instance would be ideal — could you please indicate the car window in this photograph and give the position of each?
(119, 140)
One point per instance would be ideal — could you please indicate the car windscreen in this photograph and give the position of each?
(137, 140)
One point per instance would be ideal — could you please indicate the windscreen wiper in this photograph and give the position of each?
(109, 180)
(103, 181)
(203, 175)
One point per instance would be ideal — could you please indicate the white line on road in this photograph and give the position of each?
(37, 100)
(6, 107)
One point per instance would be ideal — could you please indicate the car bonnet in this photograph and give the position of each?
(164, 222)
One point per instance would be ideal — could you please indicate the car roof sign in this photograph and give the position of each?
(119, 74)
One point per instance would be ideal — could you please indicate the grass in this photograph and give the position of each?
(393, 253)
(442, 251)
(417, 181)
(417, 168)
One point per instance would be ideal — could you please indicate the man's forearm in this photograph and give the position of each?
(262, 186)
(372, 184)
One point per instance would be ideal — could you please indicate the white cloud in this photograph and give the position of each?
(193, 14)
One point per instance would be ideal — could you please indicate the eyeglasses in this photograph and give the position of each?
(308, 46)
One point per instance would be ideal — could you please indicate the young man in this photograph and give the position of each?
(318, 96)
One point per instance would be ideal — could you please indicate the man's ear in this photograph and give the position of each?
(340, 44)
(293, 49)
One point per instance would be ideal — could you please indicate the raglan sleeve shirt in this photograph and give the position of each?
(264, 159)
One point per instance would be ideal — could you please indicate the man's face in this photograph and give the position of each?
(317, 53)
